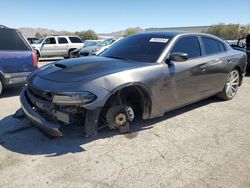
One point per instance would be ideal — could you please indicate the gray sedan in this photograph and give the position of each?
(143, 75)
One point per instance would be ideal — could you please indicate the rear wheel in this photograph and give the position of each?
(231, 86)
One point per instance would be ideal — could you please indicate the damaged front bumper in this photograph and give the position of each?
(36, 110)
(36, 118)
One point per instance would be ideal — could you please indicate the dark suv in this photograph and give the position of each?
(17, 59)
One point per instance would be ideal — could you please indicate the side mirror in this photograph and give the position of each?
(178, 56)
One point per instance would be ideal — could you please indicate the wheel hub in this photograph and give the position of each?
(121, 119)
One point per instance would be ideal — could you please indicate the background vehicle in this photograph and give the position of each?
(17, 60)
(32, 40)
(87, 43)
(57, 46)
(91, 50)
(143, 75)
(243, 45)
(248, 51)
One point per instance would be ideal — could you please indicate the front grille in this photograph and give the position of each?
(39, 93)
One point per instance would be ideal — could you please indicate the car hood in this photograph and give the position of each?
(86, 68)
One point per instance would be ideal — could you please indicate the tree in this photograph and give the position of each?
(87, 35)
(131, 31)
(38, 35)
(229, 32)
(245, 31)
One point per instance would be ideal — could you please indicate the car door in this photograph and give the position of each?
(186, 79)
(63, 46)
(49, 47)
(216, 61)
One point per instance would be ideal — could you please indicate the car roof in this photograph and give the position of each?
(173, 34)
(157, 33)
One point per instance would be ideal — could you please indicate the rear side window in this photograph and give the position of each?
(75, 40)
(62, 40)
(189, 45)
(221, 47)
(211, 46)
(12, 40)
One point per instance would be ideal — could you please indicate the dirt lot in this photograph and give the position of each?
(206, 144)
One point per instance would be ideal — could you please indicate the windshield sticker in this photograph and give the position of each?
(162, 40)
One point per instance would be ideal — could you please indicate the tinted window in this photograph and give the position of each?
(62, 40)
(51, 40)
(141, 48)
(189, 45)
(211, 46)
(12, 40)
(75, 40)
(221, 47)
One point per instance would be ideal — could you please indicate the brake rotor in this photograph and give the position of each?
(121, 119)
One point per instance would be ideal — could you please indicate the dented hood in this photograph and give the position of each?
(74, 70)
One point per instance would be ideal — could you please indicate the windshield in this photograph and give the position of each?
(142, 48)
(106, 42)
(90, 43)
(39, 41)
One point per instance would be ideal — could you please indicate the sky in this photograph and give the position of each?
(105, 16)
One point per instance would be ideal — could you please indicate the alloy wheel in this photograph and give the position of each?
(232, 83)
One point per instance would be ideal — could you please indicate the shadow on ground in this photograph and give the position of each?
(22, 137)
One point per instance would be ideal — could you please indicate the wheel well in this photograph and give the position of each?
(71, 49)
(241, 76)
(134, 96)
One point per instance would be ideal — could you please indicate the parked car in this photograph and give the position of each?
(248, 51)
(17, 60)
(87, 43)
(144, 75)
(91, 50)
(243, 44)
(32, 40)
(57, 46)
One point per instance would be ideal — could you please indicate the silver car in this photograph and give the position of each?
(57, 46)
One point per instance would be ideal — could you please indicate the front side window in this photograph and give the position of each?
(62, 40)
(211, 45)
(189, 45)
(51, 40)
(140, 48)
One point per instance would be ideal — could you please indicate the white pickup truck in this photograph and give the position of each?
(57, 46)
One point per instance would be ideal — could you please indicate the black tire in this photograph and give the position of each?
(231, 86)
(70, 54)
(1, 87)
(37, 55)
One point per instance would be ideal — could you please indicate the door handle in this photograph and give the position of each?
(229, 60)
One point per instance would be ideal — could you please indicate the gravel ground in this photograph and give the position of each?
(206, 144)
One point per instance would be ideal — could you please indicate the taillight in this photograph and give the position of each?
(35, 60)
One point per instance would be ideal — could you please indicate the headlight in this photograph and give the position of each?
(73, 98)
